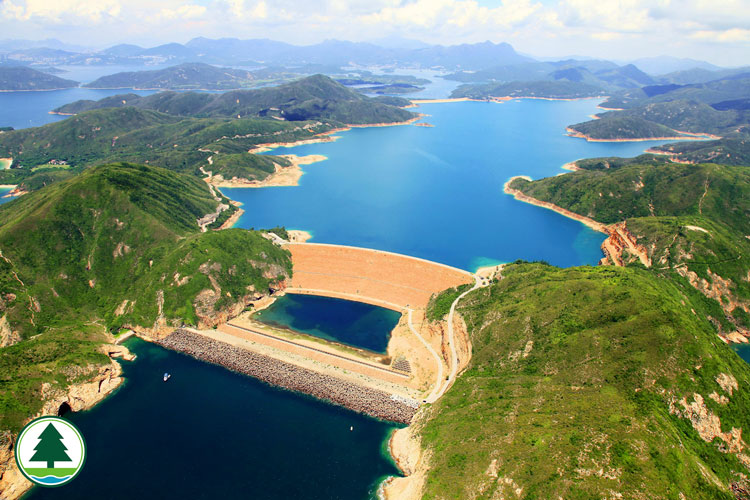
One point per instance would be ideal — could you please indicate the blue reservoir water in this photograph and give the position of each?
(210, 433)
(437, 193)
(31, 109)
(352, 323)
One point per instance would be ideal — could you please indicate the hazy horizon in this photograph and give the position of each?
(718, 33)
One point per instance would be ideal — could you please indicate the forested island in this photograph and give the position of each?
(15, 78)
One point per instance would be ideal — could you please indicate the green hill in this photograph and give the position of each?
(118, 245)
(591, 382)
(618, 126)
(145, 136)
(181, 77)
(313, 98)
(718, 107)
(544, 89)
(693, 220)
(665, 118)
(22, 78)
(732, 150)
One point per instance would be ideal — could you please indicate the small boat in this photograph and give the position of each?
(166, 376)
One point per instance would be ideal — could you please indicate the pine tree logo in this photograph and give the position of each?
(50, 451)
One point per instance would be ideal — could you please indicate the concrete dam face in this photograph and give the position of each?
(377, 277)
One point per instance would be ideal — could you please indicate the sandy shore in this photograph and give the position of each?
(8, 186)
(232, 220)
(299, 236)
(686, 136)
(572, 166)
(284, 176)
(596, 226)
(406, 450)
(417, 102)
(389, 124)
(5, 163)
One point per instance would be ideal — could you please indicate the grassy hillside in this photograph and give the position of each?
(117, 245)
(22, 78)
(186, 76)
(692, 219)
(313, 98)
(622, 127)
(575, 390)
(718, 107)
(665, 119)
(732, 150)
(547, 89)
(145, 136)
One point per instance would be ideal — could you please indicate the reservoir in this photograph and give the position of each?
(437, 192)
(351, 323)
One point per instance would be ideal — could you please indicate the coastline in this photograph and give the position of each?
(686, 136)
(572, 166)
(41, 90)
(284, 176)
(232, 220)
(6, 163)
(79, 397)
(618, 236)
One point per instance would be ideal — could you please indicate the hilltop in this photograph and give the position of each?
(23, 78)
(684, 220)
(186, 76)
(116, 246)
(589, 383)
(316, 97)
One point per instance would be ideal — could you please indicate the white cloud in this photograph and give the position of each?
(61, 10)
(184, 12)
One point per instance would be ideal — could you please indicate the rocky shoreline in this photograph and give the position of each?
(372, 402)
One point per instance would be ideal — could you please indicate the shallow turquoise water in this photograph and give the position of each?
(437, 193)
(3, 192)
(209, 433)
(352, 323)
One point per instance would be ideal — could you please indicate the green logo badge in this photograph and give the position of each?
(50, 451)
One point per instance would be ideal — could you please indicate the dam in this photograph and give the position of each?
(388, 385)
(376, 277)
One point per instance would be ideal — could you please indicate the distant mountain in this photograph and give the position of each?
(313, 98)
(661, 65)
(465, 56)
(698, 75)
(23, 78)
(124, 50)
(603, 74)
(336, 53)
(182, 77)
(10, 45)
(239, 50)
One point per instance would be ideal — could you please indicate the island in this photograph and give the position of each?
(22, 78)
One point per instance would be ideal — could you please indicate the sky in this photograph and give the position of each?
(714, 30)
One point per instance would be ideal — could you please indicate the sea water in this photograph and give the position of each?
(209, 433)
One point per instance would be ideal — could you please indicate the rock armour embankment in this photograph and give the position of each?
(372, 402)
